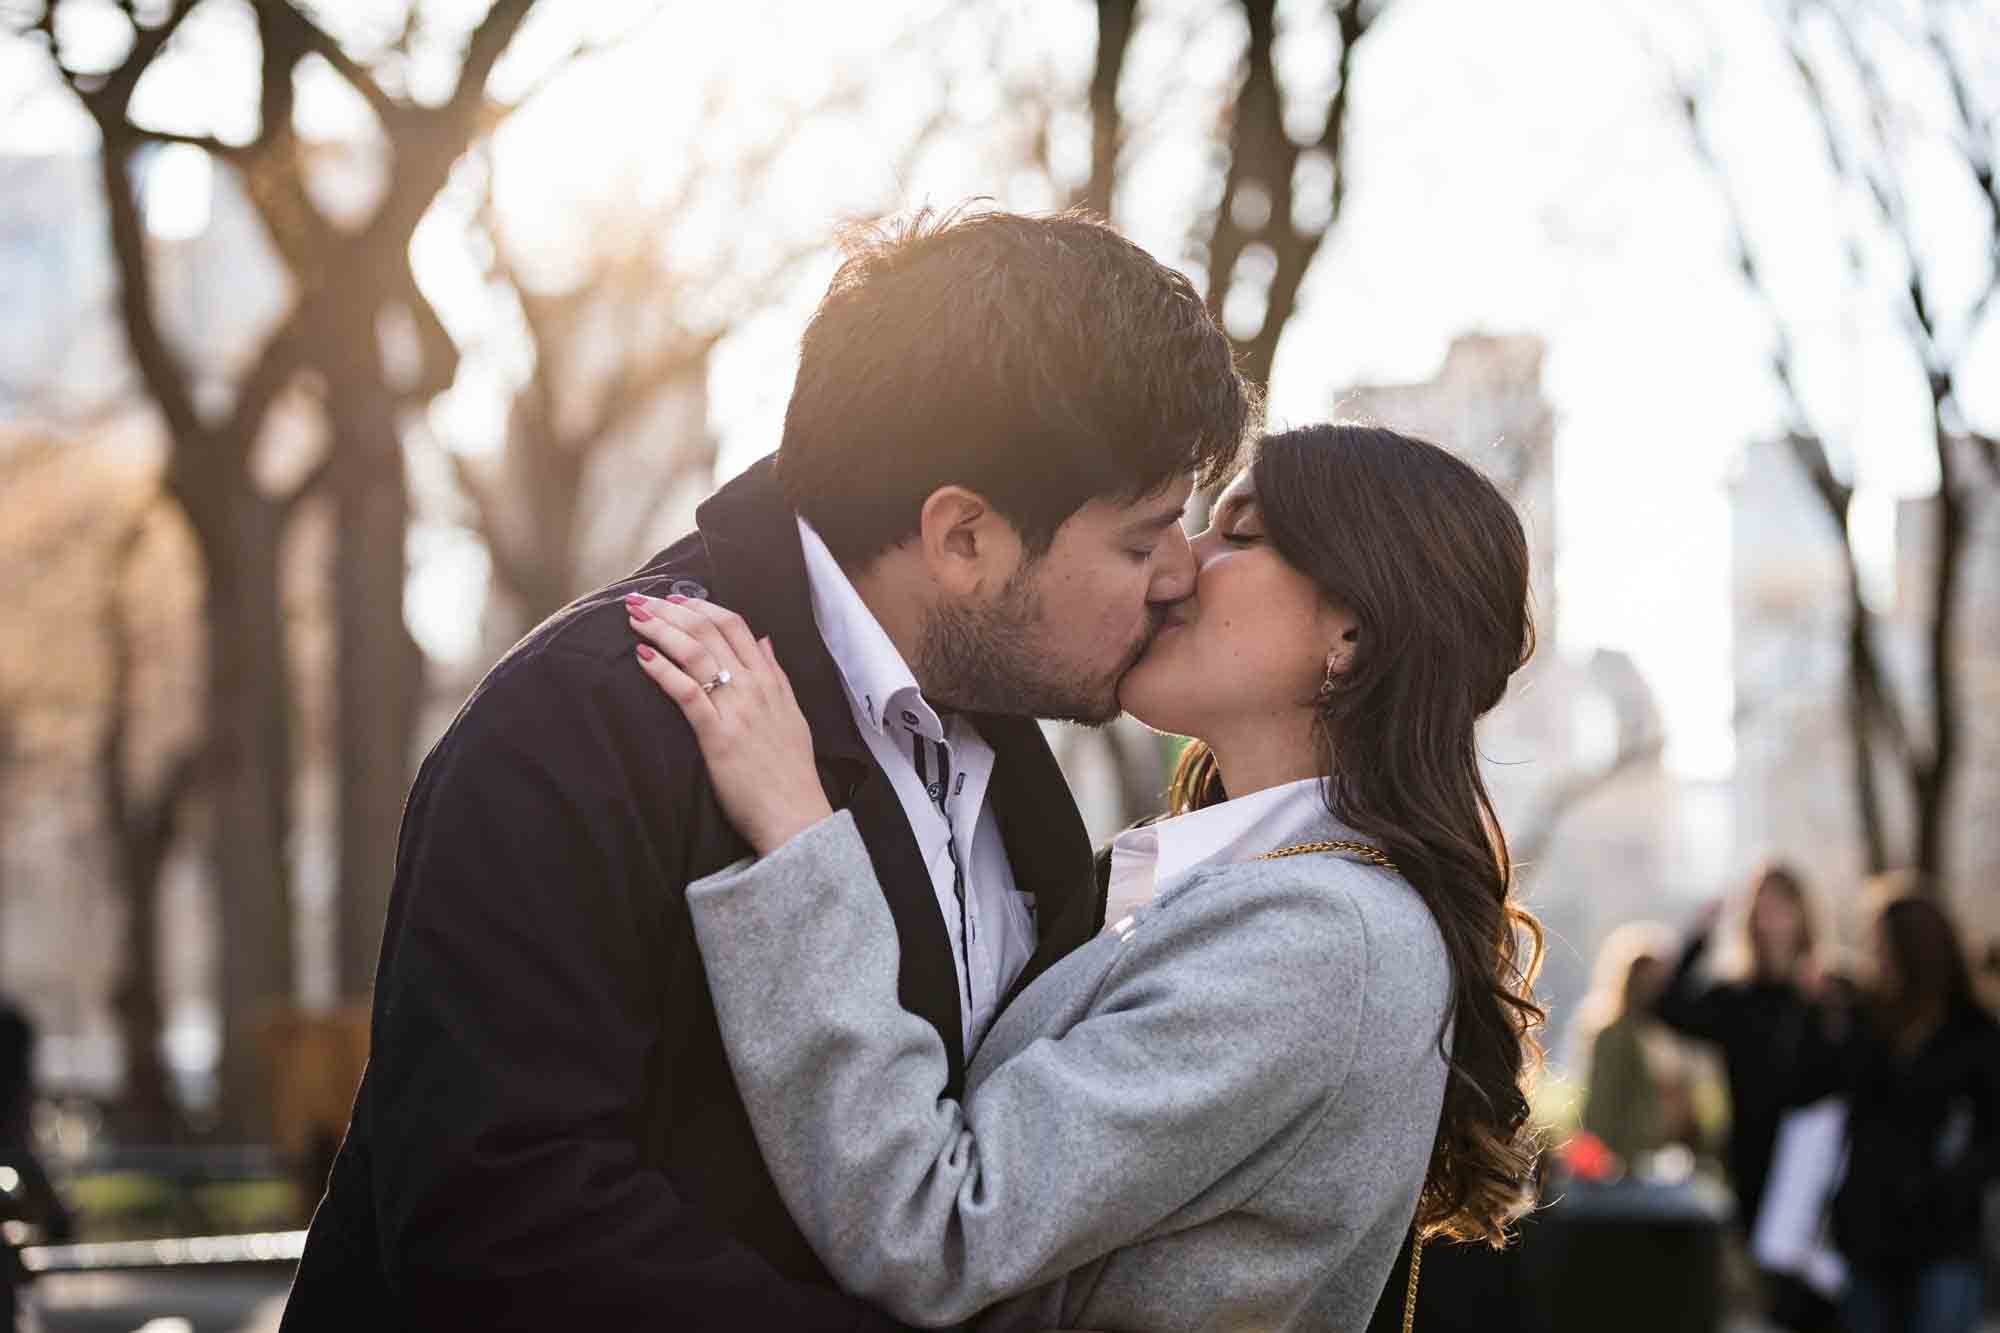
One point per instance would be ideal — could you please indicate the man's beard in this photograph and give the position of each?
(989, 659)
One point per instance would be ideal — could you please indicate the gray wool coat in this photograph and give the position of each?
(1215, 1115)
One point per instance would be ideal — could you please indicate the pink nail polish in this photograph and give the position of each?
(637, 612)
(677, 599)
(646, 653)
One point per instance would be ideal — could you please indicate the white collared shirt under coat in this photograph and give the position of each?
(944, 802)
(1144, 858)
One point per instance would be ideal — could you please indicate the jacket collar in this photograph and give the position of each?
(759, 571)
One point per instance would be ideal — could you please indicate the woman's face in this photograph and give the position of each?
(1249, 647)
(1777, 927)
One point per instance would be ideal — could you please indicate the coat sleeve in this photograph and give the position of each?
(1687, 1005)
(1971, 1171)
(1205, 1041)
(517, 1012)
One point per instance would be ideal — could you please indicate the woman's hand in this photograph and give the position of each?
(734, 694)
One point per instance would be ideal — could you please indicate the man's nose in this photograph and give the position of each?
(1173, 568)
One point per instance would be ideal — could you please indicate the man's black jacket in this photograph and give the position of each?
(547, 1136)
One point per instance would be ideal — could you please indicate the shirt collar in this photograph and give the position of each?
(880, 685)
(1144, 859)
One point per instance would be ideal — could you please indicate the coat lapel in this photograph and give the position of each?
(759, 572)
(1047, 845)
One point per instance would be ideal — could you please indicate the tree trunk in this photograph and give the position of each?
(250, 778)
(1932, 782)
(1114, 37)
(142, 828)
(1863, 733)
(379, 671)
(148, 1102)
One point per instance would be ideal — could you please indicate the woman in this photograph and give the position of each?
(1919, 1064)
(1227, 1109)
(1637, 1099)
(1758, 1021)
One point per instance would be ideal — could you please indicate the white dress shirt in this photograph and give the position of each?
(1145, 860)
(940, 768)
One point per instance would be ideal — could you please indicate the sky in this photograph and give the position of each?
(1515, 168)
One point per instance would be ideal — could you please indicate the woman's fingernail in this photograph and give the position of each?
(637, 611)
(677, 599)
(646, 653)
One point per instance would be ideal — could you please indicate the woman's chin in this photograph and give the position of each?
(1139, 699)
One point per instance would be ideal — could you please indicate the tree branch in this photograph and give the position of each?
(281, 358)
(208, 143)
(166, 379)
(106, 102)
(498, 111)
(146, 44)
(1529, 845)
(489, 42)
(316, 40)
(1115, 21)
(512, 568)
(682, 465)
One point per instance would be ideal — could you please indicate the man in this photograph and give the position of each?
(971, 521)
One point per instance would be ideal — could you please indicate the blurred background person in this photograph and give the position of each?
(1918, 1059)
(26, 1194)
(1758, 1022)
(1638, 1095)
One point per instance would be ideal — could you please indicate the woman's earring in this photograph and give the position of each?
(1336, 662)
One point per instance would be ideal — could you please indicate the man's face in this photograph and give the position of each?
(1059, 636)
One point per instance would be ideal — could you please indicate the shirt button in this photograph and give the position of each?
(909, 718)
(687, 588)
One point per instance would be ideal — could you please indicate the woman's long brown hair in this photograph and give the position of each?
(1933, 982)
(1431, 560)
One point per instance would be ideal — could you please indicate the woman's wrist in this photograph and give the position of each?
(775, 833)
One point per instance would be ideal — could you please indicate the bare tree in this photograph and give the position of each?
(1281, 195)
(349, 278)
(1867, 140)
(622, 351)
(611, 346)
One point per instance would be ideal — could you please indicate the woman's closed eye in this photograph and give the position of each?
(1242, 537)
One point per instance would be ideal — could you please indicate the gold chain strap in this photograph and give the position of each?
(1374, 856)
(1367, 851)
(1410, 1296)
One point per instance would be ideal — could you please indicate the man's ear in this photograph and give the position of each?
(968, 547)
